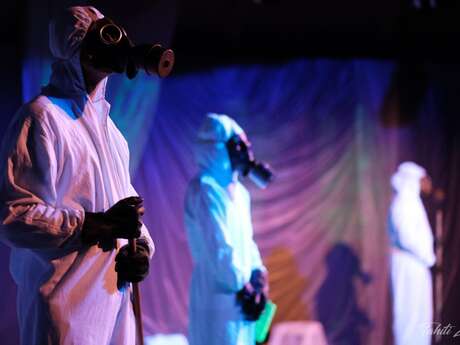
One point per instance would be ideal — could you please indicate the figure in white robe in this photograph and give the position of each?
(412, 255)
(63, 156)
(220, 237)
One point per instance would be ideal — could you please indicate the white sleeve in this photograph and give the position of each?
(413, 230)
(256, 258)
(211, 213)
(30, 215)
(144, 231)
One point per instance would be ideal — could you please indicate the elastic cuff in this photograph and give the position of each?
(144, 243)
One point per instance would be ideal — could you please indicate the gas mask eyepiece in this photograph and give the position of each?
(242, 160)
(108, 48)
(111, 34)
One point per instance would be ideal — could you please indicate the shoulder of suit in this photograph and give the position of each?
(38, 108)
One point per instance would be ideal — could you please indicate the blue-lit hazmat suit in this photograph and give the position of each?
(62, 156)
(220, 236)
(412, 256)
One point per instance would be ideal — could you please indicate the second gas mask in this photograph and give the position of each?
(108, 48)
(242, 160)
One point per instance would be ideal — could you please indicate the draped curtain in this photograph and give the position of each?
(321, 226)
(334, 131)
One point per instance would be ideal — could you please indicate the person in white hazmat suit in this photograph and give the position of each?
(68, 206)
(226, 259)
(412, 255)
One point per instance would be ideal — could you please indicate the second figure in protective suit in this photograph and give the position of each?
(228, 269)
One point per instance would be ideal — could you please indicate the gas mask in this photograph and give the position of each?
(108, 48)
(242, 160)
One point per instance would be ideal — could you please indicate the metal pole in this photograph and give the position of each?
(137, 304)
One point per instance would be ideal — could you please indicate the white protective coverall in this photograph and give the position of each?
(411, 258)
(63, 155)
(220, 237)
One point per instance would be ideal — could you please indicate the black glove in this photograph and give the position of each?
(133, 267)
(122, 220)
(252, 302)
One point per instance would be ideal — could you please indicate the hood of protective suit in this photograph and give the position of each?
(406, 180)
(66, 33)
(211, 151)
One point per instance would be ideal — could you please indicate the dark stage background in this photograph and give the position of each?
(334, 95)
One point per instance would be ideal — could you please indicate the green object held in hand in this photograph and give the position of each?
(265, 321)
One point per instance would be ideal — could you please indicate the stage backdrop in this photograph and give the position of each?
(333, 131)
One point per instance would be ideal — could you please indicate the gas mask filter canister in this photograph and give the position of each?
(242, 160)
